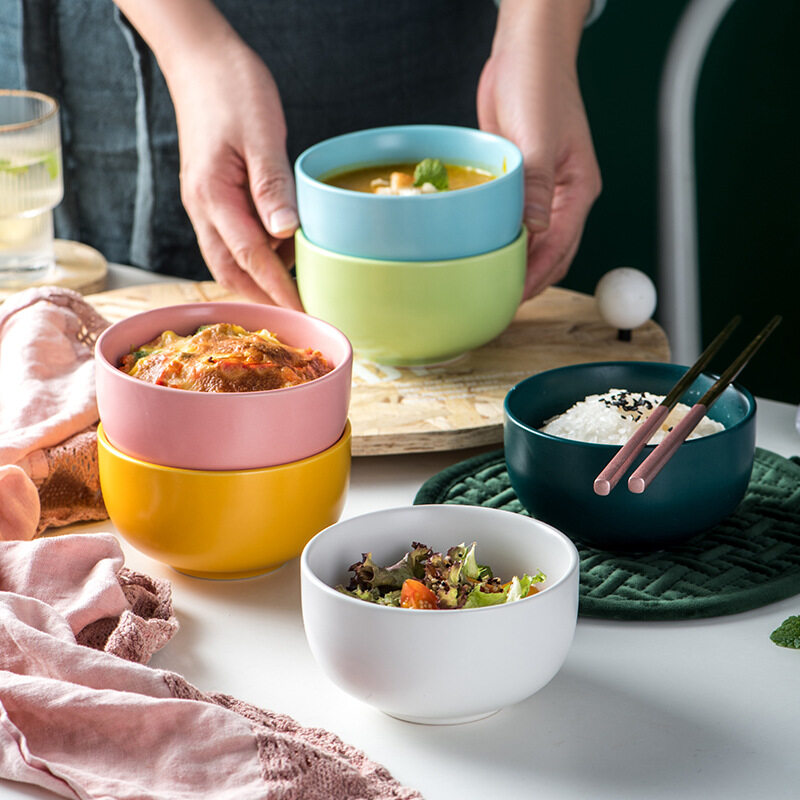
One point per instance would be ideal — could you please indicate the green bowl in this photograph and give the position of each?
(413, 312)
(553, 477)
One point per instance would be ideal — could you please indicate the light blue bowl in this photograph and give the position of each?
(432, 227)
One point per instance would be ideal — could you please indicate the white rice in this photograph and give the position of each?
(612, 417)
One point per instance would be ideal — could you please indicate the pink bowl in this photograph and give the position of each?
(222, 431)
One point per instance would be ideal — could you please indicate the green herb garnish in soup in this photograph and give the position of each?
(431, 170)
(427, 177)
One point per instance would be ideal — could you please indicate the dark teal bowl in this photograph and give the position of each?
(702, 483)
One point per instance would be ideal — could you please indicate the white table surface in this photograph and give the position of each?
(704, 709)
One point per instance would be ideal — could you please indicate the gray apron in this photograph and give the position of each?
(340, 65)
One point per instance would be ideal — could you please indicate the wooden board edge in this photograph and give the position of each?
(427, 442)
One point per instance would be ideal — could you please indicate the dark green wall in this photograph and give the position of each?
(748, 168)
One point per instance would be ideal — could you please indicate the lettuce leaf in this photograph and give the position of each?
(369, 575)
(477, 598)
(520, 587)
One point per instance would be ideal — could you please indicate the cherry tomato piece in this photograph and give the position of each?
(416, 594)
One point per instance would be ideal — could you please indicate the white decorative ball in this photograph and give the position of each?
(626, 298)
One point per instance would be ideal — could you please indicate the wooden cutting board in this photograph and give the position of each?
(455, 405)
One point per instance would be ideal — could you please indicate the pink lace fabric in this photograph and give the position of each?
(76, 629)
(48, 412)
(142, 628)
(300, 763)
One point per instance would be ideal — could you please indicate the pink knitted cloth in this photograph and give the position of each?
(82, 716)
(48, 412)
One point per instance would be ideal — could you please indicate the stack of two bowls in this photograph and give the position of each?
(223, 485)
(412, 279)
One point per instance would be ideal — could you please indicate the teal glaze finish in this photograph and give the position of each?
(702, 483)
(431, 227)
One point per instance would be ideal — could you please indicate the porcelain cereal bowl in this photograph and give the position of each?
(222, 431)
(407, 313)
(440, 666)
(223, 523)
(553, 477)
(445, 225)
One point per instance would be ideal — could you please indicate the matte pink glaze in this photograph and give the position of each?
(222, 431)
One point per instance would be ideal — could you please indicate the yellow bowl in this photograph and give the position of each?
(223, 524)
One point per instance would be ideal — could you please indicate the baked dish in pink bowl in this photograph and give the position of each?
(223, 386)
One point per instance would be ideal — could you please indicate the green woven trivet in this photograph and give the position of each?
(750, 559)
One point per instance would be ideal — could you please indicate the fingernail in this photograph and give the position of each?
(284, 219)
(536, 218)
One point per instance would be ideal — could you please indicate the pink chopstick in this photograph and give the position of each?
(618, 466)
(625, 456)
(646, 471)
(651, 466)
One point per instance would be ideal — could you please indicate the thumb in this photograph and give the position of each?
(272, 189)
(539, 184)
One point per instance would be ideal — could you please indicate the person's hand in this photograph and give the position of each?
(236, 182)
(528, 92)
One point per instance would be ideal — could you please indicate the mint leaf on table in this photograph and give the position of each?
(788, 633)
(431, 170)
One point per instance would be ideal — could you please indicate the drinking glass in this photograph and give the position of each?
(31, 185)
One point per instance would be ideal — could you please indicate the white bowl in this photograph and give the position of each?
(440, 666)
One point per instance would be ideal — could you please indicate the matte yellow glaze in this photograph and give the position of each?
(224, 524)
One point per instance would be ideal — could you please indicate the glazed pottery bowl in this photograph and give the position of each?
(553, 477)
(421, 312)
(432, 227)
(222, 431)
(440, 666)
(223, 524)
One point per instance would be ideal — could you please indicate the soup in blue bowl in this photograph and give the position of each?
(478, 210)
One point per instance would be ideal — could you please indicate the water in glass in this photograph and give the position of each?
(31, 185)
